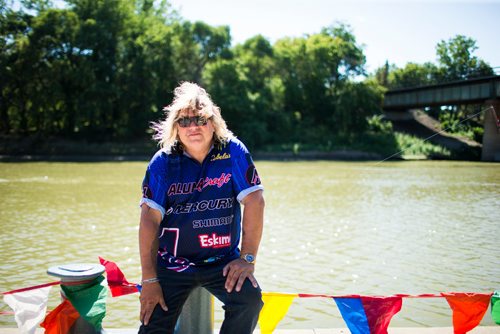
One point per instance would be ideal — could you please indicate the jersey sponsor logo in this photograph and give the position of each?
(252, 176)
(220, 156)
(211, 222)
(188, 188)
(213, 204)
(214, 241)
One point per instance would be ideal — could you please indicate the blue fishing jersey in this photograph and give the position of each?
(199, 203)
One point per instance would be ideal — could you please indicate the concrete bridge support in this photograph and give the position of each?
(491, 136)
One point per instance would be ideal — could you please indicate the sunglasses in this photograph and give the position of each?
(184, 122)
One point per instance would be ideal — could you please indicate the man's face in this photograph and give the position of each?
(195, 137)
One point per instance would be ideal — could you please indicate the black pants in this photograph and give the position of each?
(241, 308)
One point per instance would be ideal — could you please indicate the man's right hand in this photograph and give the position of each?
(151, 294)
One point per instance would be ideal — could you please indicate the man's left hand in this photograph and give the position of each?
(236, 272)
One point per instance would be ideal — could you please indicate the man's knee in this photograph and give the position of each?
(255, 299)
(160, 322)
(248, 297)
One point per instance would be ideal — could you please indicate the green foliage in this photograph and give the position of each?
(377, 124)
(356, 102)
(457, 61)
(95, 69)
(412, 75)
(456, 120)
(104, 69)
(195, 45)
(411, 146)
(321, 100)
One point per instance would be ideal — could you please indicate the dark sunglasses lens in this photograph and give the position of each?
(200, 120)
(184, 122)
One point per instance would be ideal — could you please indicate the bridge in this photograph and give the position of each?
(484, 91)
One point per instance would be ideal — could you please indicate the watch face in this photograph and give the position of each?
(249, 258)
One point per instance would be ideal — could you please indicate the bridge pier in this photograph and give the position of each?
(491, 135)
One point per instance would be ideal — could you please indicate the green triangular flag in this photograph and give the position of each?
(495, 307)
(89, 300)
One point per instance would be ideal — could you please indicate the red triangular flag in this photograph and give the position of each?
(61, 319)
(379, 312)
(117, 282)
(468, 309)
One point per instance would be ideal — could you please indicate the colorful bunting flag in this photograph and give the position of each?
(89, 299)
(61, 319)
(354, 315)
(468, 309)
(368, 315)
(117, 282)
(29, 307)
(495, 307)
(362, 314)
(276, 305)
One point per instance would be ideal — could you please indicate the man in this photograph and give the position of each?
(191, 219)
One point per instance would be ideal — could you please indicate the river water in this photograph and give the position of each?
(330, 228)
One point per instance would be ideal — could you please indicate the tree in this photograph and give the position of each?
(381, 74)
(56, 80)
(13, 28)
(147, 75)
(412, 75)
(102, 34)
(356, 103)
(196, 45)
(257, 68)
(224, 83)
(348, 59)
(456, 59)
(315, 71)
(457, 62)
(103, 69)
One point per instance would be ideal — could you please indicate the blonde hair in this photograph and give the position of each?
(189, 96)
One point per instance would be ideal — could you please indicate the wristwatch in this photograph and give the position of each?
(249, 258)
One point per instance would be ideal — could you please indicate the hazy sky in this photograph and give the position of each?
(397, 31)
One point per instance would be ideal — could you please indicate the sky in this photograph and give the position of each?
(396, 31)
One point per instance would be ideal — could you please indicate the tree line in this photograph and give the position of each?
(104, 69)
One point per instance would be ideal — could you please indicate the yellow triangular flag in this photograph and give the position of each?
(276, 305)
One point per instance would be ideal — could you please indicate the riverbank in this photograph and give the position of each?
(376, 148)
(270, 156)
(36, 148)
(17, 149)
(394, 330)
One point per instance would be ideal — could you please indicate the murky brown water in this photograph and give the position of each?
(330, 227)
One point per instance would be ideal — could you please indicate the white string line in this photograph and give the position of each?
(437, 133)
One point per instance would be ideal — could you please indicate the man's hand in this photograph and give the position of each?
(151, 294)
(236, 272)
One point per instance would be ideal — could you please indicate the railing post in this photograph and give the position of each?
(76, 274)
(197, 315)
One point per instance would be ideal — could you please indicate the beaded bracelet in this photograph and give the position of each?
(150, 280)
